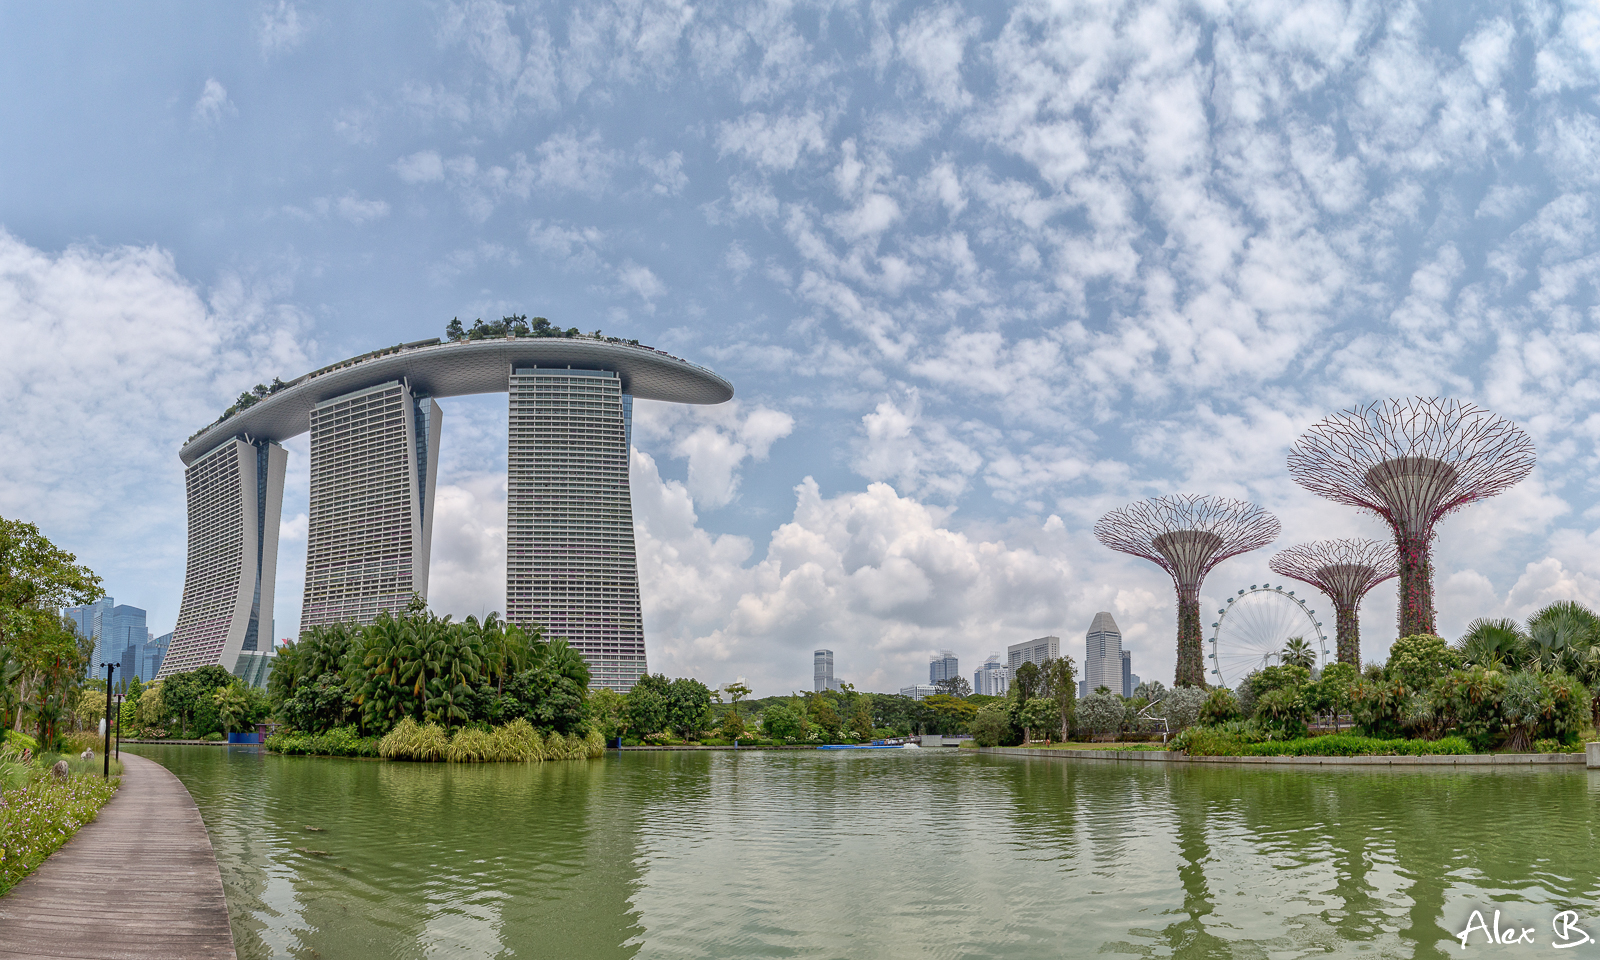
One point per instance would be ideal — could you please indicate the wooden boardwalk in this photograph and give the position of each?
(141, 881)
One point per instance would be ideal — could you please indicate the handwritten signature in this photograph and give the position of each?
(1565, 925)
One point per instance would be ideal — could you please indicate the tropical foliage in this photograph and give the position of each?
(1503, 685)
(429, 670)
(42, 656)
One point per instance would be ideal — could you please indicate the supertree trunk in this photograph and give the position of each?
(1348, 625)
(1416, 585)
(1191, 662)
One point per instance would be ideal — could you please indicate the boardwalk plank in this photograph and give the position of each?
(71, 907)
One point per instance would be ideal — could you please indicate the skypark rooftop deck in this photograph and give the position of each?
(461, 368)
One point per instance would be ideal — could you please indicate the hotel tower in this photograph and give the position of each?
(571, 565)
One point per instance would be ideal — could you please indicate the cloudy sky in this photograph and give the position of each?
(978, 274)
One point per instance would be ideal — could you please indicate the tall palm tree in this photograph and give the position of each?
(1298, 652)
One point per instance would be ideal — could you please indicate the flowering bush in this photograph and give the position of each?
(40, 816)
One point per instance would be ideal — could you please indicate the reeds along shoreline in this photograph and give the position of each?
(514, 742)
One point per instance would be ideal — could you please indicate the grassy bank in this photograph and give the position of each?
(42, 813)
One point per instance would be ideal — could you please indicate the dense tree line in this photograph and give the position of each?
(430, 669)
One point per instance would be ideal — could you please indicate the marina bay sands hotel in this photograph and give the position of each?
(375, 430)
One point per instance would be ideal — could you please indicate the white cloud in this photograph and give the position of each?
(774, 142)
(213, 104)
(282, 28)
(880, 578)
(358, 211)
(579, 164)
(644, 283)
(716, 440)
(424, 166)
(153, 359)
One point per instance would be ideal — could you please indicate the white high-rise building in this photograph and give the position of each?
(235, 494)
(374, 466)
(822, 671)
(570, 561)
(992, 679)
(1035, 652)
(1102, 655)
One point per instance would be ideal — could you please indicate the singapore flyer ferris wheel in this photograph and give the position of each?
(1254, 626)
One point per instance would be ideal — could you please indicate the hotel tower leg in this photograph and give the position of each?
(570, 560)
(374, 464)
(235, 495)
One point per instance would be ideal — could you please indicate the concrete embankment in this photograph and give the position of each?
(1173, 756)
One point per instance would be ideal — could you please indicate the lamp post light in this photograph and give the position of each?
(106, 772)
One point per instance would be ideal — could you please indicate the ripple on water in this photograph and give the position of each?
(877, 854)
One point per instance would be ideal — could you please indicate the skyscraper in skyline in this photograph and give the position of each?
(943, 666)
(992, 679)
(822, 671)
(235, 493)
(119, 634)
(1035, 652)
(374, 464)
(1102, 655)
(570, 558)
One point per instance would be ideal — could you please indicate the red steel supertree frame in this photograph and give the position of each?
(1344, 570)
(1411, 462)
(1187, 536)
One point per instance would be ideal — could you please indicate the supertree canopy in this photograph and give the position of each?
(1344, 570)
(1411, 462)
(1187, 536)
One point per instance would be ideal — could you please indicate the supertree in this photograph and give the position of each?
(1187, 536)
(1411, 462)
(1344, 570)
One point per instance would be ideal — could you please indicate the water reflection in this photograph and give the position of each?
(894, 854)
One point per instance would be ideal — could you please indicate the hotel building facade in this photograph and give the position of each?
(571, 564)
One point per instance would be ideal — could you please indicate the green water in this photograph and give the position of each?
(933, 853)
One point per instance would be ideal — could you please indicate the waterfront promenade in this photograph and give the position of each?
(139, 882)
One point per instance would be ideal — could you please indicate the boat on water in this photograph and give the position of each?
(895, 744)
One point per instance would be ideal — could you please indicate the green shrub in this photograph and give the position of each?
(338, 742)
(1418, 661)
(1379, 706)
(1352, 745)
(516, 742)
(471, 745)
(1283, 710)
(214, 737)
(1211, 742)
(410, 740)
(1568, 710)
(1222, 739)
(1556, 746)
(1221, 706)
(1469, 700)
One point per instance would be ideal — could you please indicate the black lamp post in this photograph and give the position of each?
(107, 771)
(119, 727)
